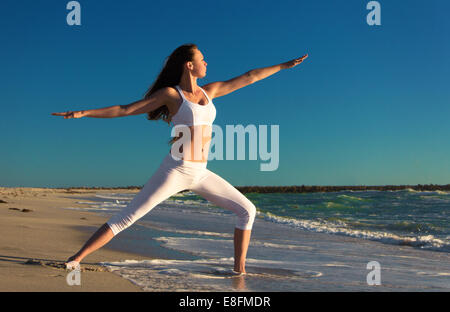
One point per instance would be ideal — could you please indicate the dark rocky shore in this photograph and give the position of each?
(301, 188)
(312, 189)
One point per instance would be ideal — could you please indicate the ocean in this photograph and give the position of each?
(300, 242)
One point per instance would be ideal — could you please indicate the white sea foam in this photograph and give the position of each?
(87, 202)
(93, 208)
(348, 197)
(217, 248)
(334, 264)
(104, 204)
(189, 232)
(187, 202)
(426, 241)
(434, 274)
(436, 192)
(171, 275)
(203, 274)
(256, 243)
(115, 196)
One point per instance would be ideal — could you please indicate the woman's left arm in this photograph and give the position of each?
(221, 88)
(262, 73)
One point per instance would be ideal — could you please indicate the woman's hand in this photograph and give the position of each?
(70, 114)
(294, 62)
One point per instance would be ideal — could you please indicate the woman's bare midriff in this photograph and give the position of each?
(196, 149)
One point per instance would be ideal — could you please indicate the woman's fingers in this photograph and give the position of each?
(65, 114)
(300, 59)
(303, 57)
(294, 62)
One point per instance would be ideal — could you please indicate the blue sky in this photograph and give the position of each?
(370, 106)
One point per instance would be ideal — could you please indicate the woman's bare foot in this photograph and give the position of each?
(72, 263)
(239, 273)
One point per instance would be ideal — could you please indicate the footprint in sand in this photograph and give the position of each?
(22, 210)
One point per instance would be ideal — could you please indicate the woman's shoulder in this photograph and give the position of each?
(173, 98)
(170, 94)
(209, 89)
(170, 91)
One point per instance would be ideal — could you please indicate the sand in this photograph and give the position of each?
(38, 235)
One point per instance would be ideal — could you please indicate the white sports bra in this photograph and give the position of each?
(192, 114)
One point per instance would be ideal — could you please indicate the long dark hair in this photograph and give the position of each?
(170, 76)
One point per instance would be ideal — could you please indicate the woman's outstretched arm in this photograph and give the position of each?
(262, 73)
(156, 100)
(221, 88)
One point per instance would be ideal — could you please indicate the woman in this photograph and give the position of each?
(175, 97)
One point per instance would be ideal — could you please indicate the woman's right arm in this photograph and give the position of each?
(156, 100)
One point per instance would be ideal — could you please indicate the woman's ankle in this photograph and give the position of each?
(239, 268)
(74, 258)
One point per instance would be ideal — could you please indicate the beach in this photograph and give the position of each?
(47, 235)
(185, 244)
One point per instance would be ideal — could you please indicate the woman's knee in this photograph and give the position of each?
(118, 223)
(247, 217)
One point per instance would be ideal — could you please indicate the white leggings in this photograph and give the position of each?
(174, 176)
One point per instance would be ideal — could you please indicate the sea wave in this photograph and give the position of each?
(429, 242)
(436, 192)
(116, 196)
(352, 198)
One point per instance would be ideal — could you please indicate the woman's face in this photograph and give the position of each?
(199, 64)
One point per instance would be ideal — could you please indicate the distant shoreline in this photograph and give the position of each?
(293, 189)
(315, 189)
